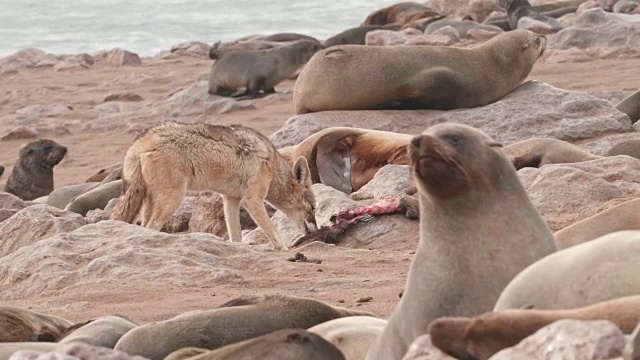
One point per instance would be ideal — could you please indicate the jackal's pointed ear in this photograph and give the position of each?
(301, 170)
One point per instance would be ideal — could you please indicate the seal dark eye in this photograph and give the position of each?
(453, 139)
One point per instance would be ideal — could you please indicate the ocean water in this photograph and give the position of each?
(150, 26)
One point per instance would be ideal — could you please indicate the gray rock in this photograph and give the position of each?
(569, 340)
(11, 202)
(566, 193)
(423, 349)
(34, 223)
(389, 180)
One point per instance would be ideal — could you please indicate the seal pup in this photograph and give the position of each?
(536, 152)
(237, 320)
(601, 269)
(104, 331)
(629, 147)
(631, 106)
(416, 77)
(19, 325)
(623, 216)
(32, 175)
(348, 158)
(352, 335)
(96, 198)
(236, 161)
(480, 337)
(287, 344)
(61, 197)
(478, 229)
(259, 70)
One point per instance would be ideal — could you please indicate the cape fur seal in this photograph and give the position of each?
(348, 158)
(19, 325)
(598, 270)
(104, 331)
(237, 320)
(480, 337)
(518, 9)
(356, 35)
(104, 173)
(536, 152)
(259, 70)
(478, 229)
(416, 77)
(61, 197)
(631, 106)
(623, 216)
(96, 198)
(287, 344)
(352, 335)
(32, 175)
(401, 13)
(628, 147)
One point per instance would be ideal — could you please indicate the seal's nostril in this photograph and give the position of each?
(415, 141)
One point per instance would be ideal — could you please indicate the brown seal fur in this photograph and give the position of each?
(629, 147)
(356, 35)
(348, 158)
(1, 170)
(400, 13)
(238, 320)
(416, 77)
(32, 175)
(598, 270)
(18, 325)
(103, 173)
(536, 152)
(259, 70)
(104, 331)
(631, 106)
(96, 198)
(623, 216)
(478, 229)
(287, 344)
(480, 337)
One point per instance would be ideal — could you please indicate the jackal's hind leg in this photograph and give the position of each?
(232, 217)
(255, 208)
(165, 203)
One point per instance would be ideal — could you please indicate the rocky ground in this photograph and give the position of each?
(56, 262)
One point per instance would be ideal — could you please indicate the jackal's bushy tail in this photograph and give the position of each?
(134, 190)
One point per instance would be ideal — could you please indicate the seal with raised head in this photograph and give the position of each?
(260, 70)
(104, 331)
(601, 269)
(32, 175)
(416, 77)
(20, 325)
(237, 320)
(287, 344)
(536, 152)
(478, 229)
(480, 337)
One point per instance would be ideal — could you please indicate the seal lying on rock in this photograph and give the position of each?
(61, 197)
(287, 344)
(416, 77)
(104, 331)
(96, 198)
(32, 175)
(103, 173)
(478, 229)
(401, 13)
(480, 337)
(18, 325)
(238, 320)
(536, 152)
(258, 70)
(601, 269)
(623, 216)
(629, 147)
(348, 158)
(356, 35)
(631, 106)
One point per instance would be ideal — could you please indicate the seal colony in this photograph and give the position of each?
(416, 77)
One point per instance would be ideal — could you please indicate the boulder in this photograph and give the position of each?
(389, 180)
(11, 202)
(423, 349)
(74, 351)
(478, 10)
(119, 57)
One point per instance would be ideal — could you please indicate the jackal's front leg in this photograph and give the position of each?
(232, 217)
(255, 208)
